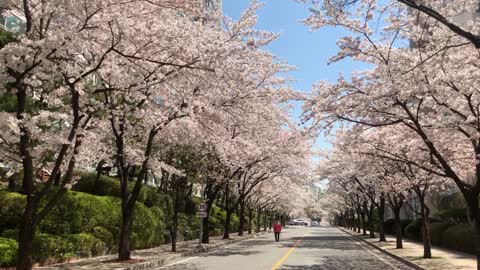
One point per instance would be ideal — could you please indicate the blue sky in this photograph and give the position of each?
(308, 51)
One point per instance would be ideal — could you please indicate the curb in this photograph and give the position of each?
(398, 258)
(164, 261)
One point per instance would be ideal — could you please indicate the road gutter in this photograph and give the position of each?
(398, 258)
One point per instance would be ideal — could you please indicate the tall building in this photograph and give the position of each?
(11, 20)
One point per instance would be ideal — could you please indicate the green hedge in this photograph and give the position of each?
(8, 251)
(11, 209)
(79, 214)
(106, 236)
(390, 226)
(413, 230)
(459, 237)
(105, 186)
(436, 232)
(453, 215)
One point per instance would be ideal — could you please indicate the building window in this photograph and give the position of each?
(210, 5)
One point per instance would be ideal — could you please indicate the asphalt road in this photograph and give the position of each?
(301, 248)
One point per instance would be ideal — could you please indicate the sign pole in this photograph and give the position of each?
(201, 233)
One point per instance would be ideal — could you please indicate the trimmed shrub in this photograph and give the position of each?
(404, 223)
(85, 245)
(459, 237)
(81, 213)
(105, 186)
(147, 228)
(10, 233)
(413, 230)
(436, 231)
(389, 226)
(453, 215)
(8, 251)
(105, 235)
(11, 207)
(452, 200)
(51, 248)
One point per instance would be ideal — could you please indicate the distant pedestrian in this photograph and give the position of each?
(277, 229)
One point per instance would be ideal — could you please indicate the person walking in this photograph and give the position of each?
(277, 229)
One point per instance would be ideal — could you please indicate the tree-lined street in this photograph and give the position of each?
(131, 128)
(301, 248)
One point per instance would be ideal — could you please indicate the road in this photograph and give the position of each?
(301, 248)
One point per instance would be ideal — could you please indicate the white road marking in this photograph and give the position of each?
(369, 251)
(205, 253)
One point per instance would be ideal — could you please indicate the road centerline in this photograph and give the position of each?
(284, 257)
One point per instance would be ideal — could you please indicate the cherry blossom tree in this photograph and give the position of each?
(422, 80)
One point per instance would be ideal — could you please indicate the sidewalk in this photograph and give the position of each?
(148, 258)
(412, 252)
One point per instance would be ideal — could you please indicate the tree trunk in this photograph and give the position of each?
(25, 243)
(12, 183)
(265, 221)
(474, 215)
(205, 221)
(398, 226)
(250, 220)
(27, 227)
(425, 212)
(174, 231)
(226, 227)
(381, 219)
(241, 225)
(477, 239)
(125, 230)
(206, 229)
(259, 217)
(364, 222)
(371, 224)
(359, 221)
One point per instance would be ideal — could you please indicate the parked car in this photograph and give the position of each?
(298, 222)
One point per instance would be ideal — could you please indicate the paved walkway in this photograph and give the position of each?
(301, 248)
(412, 251)
(148, 258)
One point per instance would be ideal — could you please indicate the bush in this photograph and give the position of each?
(404, 223)
(459, 237)
(10, 233)
(105, 235)
(11, 208)
(453, 215)
(85, 245)
(105, 186)
(8, 251)
(147, 228)
(51, 248)
(389, 226)
(452, 200)
(81, 213)
(436, 231)
(413, 230)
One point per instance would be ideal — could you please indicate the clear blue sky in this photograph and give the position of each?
(308, 51)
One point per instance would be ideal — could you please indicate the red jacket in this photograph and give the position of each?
(277, 228)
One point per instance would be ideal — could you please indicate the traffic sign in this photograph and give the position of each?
(202, 214)
(202, 207)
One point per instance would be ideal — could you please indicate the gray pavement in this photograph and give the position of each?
(301, 248)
